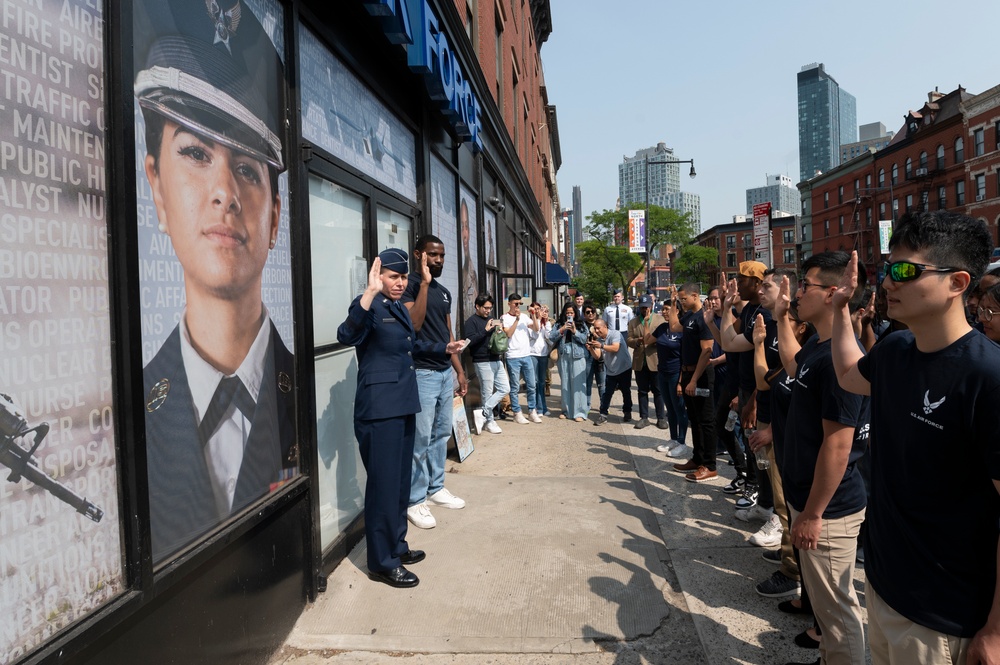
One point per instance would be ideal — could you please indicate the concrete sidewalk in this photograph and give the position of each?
(579, 546)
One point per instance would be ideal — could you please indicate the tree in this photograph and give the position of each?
(664, 226)
(601, 264)
(692, 262)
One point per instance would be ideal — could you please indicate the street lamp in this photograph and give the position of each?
(691, 173)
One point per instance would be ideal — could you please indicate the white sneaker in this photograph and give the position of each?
(493, 428)
(479, 419)
(668, 446)
(769, 535)
(755, 512)
(446, 499)
(520, 419)
(534, 417)
(681, 450)
(420, 516)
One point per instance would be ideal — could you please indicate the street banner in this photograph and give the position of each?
(762, 232)
(637, 231)
(884, 233)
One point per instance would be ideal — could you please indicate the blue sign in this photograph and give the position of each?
(429, 53)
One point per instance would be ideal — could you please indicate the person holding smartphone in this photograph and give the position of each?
(570, 339)
(489, 366)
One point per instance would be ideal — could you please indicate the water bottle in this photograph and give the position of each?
(762, 461)
(702, 392)
(731, 420)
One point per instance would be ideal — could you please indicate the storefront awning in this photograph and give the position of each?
(556, 274)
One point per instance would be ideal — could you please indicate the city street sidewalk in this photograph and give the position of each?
(579, 546)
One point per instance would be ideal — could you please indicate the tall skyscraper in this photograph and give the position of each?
(828, 118)
(664, 182)
(578, 221)
(780, 192)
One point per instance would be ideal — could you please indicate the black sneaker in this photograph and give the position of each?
(749, 498)
(772, 556)
(601, 419)
(643, 422)
(778, 585)
(663, 423)
(627, 418)
(736, 486)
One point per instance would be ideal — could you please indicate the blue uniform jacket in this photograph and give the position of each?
(181, 501)
(386, 344)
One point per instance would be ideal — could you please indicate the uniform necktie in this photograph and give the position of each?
(231, 390)
(618, 312)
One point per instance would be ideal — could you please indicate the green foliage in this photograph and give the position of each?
(692, 263)
(602, 264)
(663, 226)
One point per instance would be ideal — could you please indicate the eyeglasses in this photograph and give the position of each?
(515, 302)
(907, 271)
(588, 311)
(986, 314)
(804, 285)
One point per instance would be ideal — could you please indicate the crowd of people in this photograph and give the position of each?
(832, 400)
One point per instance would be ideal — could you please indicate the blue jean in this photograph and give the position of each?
(676, 412)
(541, 368)
(430, 444)
(517, 366)
(493, 385)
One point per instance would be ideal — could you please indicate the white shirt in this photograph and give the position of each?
(519, 345)
(625, 314)
(224, 452)
(540, 341)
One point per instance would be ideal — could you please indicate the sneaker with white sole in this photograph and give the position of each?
(420, 516)
(520, 419)
(779, 585)
(668, 446)
(534, 417)
(772, 556)
(754, 513)
(492, 427)
(749, 498)
(736, 486)
(446, 499)
(682, 450)
(479, 419)
(768, 535)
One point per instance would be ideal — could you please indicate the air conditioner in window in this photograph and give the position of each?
(921, 172)
(980, 197)
(998, 145)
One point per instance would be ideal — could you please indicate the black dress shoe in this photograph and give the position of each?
(412, 556)
(398, 577)
(803, 640)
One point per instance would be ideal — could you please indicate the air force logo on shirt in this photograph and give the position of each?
(802, 372)
(929, 407)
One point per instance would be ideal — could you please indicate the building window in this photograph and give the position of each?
(731, 260)
(499, 57)
(826, 228)
(909, 202)
(840, 194)
(747, 240)
(942, 197)
(748, 255)
(960, 193)
(980, 187)
(871, 250)
(868, 180)
(788, 235)
(895, 174)
(826, 200)
(881, 210)
(978, 142)
(840, 225)
(881, 177)
(959, 150)
(923, 159)
(730, 242)
(789, 256)
(868, 217)
(857, 186)
(940, 157)
(924, 200)
(909, 168)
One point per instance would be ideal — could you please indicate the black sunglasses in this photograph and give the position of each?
(907, 271)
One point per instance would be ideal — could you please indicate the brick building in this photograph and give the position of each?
(734, 243)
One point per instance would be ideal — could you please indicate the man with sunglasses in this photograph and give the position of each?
(934, 388)
(827, 430)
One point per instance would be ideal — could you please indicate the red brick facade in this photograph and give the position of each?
(734, 243)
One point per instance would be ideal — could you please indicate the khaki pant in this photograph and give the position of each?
(789, 566)
(828, 573)
(895, 640)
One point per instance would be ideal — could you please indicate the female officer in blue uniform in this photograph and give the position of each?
(385, 404)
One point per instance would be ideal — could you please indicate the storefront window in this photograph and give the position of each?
(444, 224)
(393, 230)
(339, 267)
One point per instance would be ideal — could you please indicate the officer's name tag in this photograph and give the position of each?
(389, 320)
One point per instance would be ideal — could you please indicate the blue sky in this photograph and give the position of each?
(716, 81)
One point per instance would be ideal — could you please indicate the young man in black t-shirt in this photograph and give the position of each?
(823, 488)
(696, 376)
(935, 449)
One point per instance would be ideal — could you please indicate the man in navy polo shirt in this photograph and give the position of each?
(823, 487)
(429, 304)
(935, 452)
